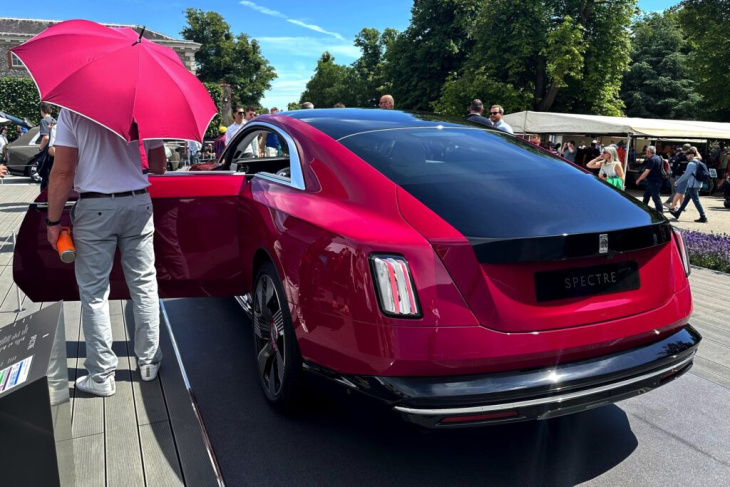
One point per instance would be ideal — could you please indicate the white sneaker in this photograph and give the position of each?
(90, 386)
(148, 372)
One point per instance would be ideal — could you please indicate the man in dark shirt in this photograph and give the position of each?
(475, 113)
(678, 163)
(653, 175)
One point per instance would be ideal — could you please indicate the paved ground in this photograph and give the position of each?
(717, 214)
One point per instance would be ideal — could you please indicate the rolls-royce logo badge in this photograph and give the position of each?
(603, 243)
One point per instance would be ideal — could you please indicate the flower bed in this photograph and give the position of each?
(708, 250)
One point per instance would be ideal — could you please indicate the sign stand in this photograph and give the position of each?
(35, 408)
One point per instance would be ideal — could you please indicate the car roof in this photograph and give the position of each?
(343, 122)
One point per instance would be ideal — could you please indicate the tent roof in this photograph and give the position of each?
(568, 123)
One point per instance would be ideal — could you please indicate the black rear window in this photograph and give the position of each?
(490, 184)
(434, 155)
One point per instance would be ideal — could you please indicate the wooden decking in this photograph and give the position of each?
(147, 434)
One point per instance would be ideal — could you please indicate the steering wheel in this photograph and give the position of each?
(285, 173)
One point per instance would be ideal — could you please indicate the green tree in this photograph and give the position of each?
(216, 93)
(20, 98)
(237, 60)
(330, 84)
(433, 47)
(369, 78)
(659, 83)
(293, 106)
(705, 22)
(544, 55)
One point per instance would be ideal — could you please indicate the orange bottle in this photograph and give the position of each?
(65, 246)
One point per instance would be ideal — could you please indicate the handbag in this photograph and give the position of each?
(615, 181)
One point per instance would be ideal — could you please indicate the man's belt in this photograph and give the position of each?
(92, 194)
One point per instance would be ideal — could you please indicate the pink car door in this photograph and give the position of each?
(197, 242)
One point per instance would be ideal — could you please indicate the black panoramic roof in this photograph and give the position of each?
(342, 122)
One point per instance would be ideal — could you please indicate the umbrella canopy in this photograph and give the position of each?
(118, 79)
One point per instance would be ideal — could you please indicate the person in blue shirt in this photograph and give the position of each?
(272, 141)
(693, 187)
(495, 115)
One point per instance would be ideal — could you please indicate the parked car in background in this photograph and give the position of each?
(456, 273)
(23, 155)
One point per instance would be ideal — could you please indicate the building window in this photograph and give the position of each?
(15, 61)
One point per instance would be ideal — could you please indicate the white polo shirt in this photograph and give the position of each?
(106, 163)
(232, 129)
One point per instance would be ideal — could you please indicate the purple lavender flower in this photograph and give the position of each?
(708, 250)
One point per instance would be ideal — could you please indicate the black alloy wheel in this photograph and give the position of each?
(277, 353)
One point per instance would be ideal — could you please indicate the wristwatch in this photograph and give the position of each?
(49, 223)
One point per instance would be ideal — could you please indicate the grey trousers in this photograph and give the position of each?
(100, 225)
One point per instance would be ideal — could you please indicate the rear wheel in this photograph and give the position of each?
(279, 362)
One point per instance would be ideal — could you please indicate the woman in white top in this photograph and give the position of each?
(611, 169)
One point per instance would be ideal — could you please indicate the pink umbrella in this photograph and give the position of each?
(118, 79)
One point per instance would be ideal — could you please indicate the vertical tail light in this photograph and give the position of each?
(682, 248)
(394, 286)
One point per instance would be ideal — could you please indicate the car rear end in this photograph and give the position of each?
(580, 293)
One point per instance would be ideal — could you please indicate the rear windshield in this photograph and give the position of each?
(484, 183)
(432, 155)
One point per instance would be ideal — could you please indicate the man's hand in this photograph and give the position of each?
(53, 233)
(3, 171)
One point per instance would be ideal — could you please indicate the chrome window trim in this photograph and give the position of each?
(296, 180)
(545, 400)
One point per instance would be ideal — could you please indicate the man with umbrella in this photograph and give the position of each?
(99, 154)
(113, 210)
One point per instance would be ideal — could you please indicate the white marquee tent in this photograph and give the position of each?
(567, 123)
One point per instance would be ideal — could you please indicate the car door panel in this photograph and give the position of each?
(198, 223)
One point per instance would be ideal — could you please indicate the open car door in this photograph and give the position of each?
(198, 225)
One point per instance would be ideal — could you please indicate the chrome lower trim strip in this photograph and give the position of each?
(193, 402)
(545, 400)
(43, 205)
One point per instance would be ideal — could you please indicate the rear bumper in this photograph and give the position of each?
(460, 401)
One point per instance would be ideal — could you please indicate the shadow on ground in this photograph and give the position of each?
(340, 439)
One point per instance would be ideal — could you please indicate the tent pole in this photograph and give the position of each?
(524, 125)
(628, 149)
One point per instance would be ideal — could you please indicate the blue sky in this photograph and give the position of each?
(292, 34)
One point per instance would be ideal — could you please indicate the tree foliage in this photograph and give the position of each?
(236, 60)
(370, 69)
(432, 48)
(659, 83)
(329, 85)
(216, 93)
(545, 55)
(705, 22)
(20, 98)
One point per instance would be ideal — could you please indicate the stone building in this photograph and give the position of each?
(14, 32)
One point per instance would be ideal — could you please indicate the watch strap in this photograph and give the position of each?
(49, 223)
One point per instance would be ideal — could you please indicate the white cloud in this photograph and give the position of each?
(308, 47)
(276, 13)
(315, 28)
(264, 10)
